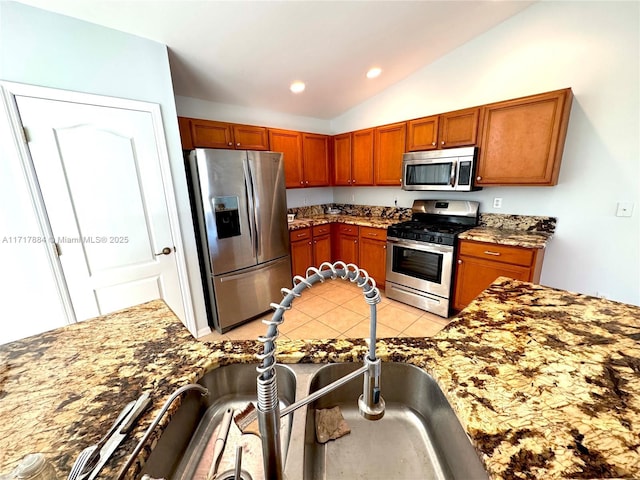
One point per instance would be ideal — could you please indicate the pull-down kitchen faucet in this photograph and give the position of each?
(370, 403)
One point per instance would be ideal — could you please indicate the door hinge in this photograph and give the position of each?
(56, 247)
(25, 134)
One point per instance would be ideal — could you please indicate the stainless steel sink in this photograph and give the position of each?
(184, 451)
(418, 437)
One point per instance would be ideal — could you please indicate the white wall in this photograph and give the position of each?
(592, 47)
(196, 108)
(51, 50)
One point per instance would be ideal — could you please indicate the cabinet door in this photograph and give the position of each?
(321, 249)
(315, 160)
(342, 159)
(249, 137)
(347, 248)
(388, 151)
(522, 140)
(362, 158)
(184, 125)
(210, 134)
(458, 129)
(290, 144)
(473, 275)
(301, 250)
(422, 134)
(373, 258)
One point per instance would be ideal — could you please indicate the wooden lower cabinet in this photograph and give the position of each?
(365, 247)
(373, 253)
(309, 248)
(346, 243)
(479, 264)
(301, 250)
(321, 244)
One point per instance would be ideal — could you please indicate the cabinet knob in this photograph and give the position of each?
(349, 182)
(301, 183)
(355, 241)
(459, 262)
(433, 143)
(442, 143)
(384, 247)
(353, 181)
(478, 178)
(238, 144)
(309, 243)
(307, 182)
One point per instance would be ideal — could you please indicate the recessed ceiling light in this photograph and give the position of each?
(374, 72)
(297, 87)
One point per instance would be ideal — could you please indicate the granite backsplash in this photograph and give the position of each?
(493, 220)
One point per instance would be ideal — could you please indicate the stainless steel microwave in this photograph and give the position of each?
(452, 169)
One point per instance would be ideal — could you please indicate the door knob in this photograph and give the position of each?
(165, 251)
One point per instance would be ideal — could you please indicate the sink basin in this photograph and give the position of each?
(185, 449)
(418, 437)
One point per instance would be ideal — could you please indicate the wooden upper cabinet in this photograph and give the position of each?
(522, 140)
(249, 137)
(290, 144)
(459, 128)
(448, 130)
(184, 125)
(315, 159)
(422, 134)
(211, 134)
(353, 158)
(342, 159)
(388, 150)
(362, 157)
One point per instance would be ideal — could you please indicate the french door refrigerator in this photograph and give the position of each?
(240, 203)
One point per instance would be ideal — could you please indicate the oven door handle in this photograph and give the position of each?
(421, 246)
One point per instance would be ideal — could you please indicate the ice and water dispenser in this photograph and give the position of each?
(227, 218)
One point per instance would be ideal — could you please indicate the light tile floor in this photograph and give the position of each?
(336, 309)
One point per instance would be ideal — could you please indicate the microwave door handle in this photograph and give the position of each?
(454, 169)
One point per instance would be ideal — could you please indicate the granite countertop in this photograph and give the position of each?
(517, 232)
(359, 220)
(545, 382)
(502, 236)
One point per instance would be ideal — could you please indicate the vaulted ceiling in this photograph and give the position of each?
(248, 53)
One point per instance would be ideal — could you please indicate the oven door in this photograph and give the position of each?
(422, 266)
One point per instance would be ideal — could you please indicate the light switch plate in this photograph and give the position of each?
(625, 209)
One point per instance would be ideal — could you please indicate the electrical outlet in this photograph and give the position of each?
(625, 209)
(305, 201)
(353, 197)
(497, 202)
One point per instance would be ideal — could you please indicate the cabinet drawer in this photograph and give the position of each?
(300, 234)
(499, 253)
(321, 229)
(348, 229)
(373, 233)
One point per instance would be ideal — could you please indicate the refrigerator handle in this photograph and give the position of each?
(251, 205)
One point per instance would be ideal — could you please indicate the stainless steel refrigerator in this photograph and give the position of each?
(240, 203)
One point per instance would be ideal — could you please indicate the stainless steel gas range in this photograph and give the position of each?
(421, 253)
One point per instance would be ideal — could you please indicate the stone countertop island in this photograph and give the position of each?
(545, 382)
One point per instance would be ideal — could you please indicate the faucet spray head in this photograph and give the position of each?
(371, 404)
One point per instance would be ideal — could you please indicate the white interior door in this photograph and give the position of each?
(99, 173)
